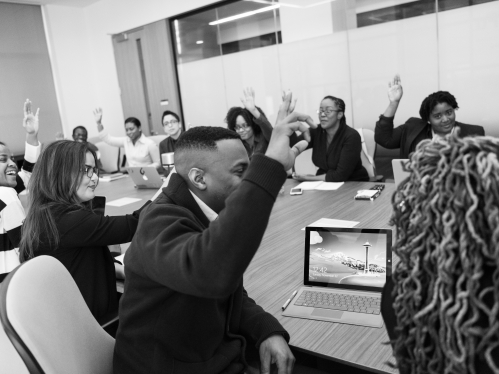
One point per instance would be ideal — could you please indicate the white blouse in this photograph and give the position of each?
(143, 153)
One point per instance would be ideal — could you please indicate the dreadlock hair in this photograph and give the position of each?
(235, 112)
(446, 284)
(341, 107)
(434, 99)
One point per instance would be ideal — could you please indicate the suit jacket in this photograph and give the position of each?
(410, 134)
(184, 309)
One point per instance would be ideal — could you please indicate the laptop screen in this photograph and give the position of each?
(347, 258)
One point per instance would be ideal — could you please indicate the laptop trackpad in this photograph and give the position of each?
(328, 313)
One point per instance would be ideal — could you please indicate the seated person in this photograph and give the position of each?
(13, 182)
(336, 147)
(61, 223)
(251, 124)
(139, 150)
(438, 118)
(441, 304)
(184, 307)
(173, 128)
(80, 134)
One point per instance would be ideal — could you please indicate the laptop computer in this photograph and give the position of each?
(145, 176)
(338, 286)
(400, 174)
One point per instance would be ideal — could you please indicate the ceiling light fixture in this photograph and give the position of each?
(177, 37)
(199, 42)
(242, 15)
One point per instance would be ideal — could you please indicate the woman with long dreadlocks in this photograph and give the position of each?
(438, 118)
(441, 306)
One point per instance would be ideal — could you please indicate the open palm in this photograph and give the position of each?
(395, 91)
(30, 121)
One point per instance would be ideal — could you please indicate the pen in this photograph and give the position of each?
(289, 300)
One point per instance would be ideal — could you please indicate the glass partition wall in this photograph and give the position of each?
(345, 48)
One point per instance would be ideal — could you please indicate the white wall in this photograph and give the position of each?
(83, 58)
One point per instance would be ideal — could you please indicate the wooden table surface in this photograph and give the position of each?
(277, 268)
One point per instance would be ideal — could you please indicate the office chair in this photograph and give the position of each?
(304, 164)
(367, 154)
(109, 157)
(48, 322)
(158, 138)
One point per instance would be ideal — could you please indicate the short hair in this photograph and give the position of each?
(446, 288)
(341, 106)
(203, 138)
(235, 112)
(433, 100)
(169, 112)
(2, 143)
(133, 120)
(79, 128)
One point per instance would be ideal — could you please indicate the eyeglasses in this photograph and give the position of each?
(91, 170)
(329, 110)
(242, 128)
(171, 123)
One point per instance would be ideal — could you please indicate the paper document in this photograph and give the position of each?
(319, 185)
(123, 201)
(330, 222)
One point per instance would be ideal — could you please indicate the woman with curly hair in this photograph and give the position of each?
(438, 118)
(441, 306)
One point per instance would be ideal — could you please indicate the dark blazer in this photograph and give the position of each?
(410, 134)
(167, 146)
(340, 161)
(184, 309)
(84, 237)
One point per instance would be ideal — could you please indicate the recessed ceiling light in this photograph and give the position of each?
(199, 42)
(242, 15)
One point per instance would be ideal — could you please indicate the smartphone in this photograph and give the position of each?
(296, 191)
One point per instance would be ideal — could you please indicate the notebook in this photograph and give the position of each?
(145, 176)
(335, 271)
(399, 172)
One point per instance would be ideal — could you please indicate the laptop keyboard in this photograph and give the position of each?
(339, 301)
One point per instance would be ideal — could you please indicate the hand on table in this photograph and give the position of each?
(395, 91)
(302, 177)
(275, 350)
(286, 125)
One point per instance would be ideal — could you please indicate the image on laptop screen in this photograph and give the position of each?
(348, 258)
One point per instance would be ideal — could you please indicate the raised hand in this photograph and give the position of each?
(98, 115)
(292, 104)
(286, 125)
(59, 135)
(395, 91)
(249, 102)
(30, 121)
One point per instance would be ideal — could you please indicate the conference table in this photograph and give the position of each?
(277, 268)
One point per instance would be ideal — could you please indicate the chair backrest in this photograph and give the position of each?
(109, 156)
(10, 360)
(49, 323)
(304, 164)
(368, 150)
(158, 138)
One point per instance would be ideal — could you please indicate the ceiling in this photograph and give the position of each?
(71, 3)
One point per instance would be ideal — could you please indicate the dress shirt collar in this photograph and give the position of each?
(139, 140)
(435, 136)
(208, 212)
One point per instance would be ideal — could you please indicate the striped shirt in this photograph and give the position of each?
(12, 214)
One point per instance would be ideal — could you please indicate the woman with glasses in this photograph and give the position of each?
(438, 119)
(441, 305)
(335, 146)
(251, 124)
(173, 128)
(61, 223)
(139, 150)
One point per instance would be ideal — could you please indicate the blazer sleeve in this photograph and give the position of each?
(83, 228)
(257, 323)
(387, 136)
(179, 253)
(349, 156)
(264, 125)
